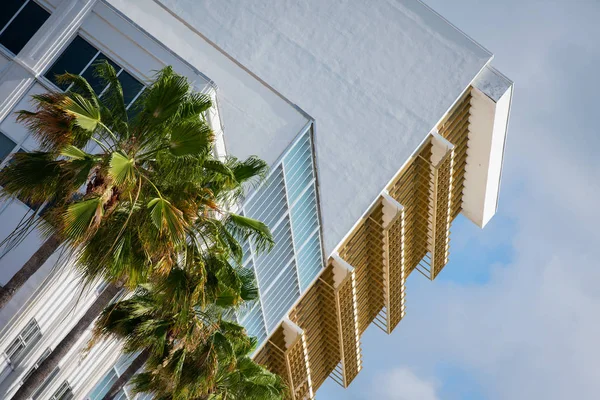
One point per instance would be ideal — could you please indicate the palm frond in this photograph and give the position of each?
(193, 105)
(190, 138)
(85, 114)
(112, 98)
(80, 217)
(75, 153)
(36, 178)
(167, 219)
(246, 228)
(80, 85)
(219, 167)
(48, 123)
(249, 287)
(122, 168)
(164, 97)
(251, 169)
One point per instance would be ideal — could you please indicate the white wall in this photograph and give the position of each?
(376, 76)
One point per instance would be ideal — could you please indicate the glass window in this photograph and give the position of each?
(9, 9)
(64, 392)
(111, 377)
(35, 366)
(104, 385)
(135, 106)
(74, 59)
(7, 146)
(91, 77)
(44, 386)
(131, 86)
(24, 342)
(296, 259)
(19, 26)
(80, 57)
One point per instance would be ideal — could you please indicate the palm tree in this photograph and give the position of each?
(184, 376)
(155, 170)
(126, 210)
(176, 327)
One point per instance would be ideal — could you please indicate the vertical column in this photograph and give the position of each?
(214, 121)
(394, 263)
(39, 52)
(297, 363)
(442, 160)
(347, 316)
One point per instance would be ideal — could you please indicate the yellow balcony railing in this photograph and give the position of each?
(407, 229)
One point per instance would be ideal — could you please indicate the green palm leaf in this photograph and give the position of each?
(249, 288)
(251, 168)
(246, 228)
(122, 168)
(190, 138)
(219, 167)
(80, 217)
(75, 153)
(80, 85)
(165, 96)
(85, 114)
(167, 219)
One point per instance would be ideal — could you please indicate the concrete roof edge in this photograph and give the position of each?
(476, 43)
(234, 60)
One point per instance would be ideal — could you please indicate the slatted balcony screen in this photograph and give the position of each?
(407, 229)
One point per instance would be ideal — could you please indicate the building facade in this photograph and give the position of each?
(381, 122)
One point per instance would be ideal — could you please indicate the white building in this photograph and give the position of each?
(380, 120)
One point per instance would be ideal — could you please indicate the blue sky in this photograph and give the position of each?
(514, 314)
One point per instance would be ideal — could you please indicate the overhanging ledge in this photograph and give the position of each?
(491, 97)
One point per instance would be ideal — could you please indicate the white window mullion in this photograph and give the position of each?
(14, 16)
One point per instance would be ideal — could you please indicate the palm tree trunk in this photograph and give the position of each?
(29, 268)
(138, 363)
(48, 365)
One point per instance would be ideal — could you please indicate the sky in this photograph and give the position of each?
(514, 315)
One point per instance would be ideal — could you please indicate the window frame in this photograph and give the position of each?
(116, 370)
(43, 4)
(15, 148)
(36, 365)
(100, 49)
(28, 343)
(62, 390)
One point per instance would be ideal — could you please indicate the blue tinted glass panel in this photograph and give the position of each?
(269, 203)
(74, 59)
(6, 146)
(310, 262)
(304, 216)
(96, 83)
(281, 296)
(246, 252)
(298, 168)
(296, 259)
(131, 86)
(9, 9)
(104, 385)
(269, 265)
(81, 58)
(254, 323)
(27, 22)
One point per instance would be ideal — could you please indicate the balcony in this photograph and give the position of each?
(407, 229)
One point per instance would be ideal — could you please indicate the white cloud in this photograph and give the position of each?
(402, 384)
